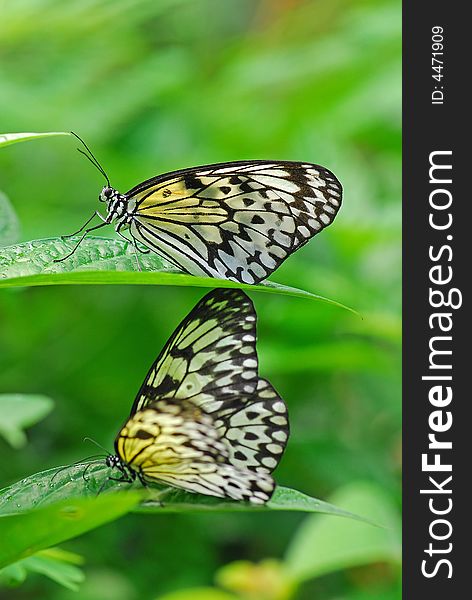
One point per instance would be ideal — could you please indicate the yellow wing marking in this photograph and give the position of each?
(173, 201)
(158, 441)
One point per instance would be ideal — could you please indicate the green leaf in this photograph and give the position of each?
(6, 139)
(91, 479)
(106, 261)
(324, 545)
(13, 575)
(284, 499)
(19, 411)
(24, 534)
(54, 563)
(9, 224)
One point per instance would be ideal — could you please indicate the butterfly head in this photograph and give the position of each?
(108, 194)
(113, 461)
(116, 203)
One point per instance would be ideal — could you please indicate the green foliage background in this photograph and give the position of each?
(156, 86)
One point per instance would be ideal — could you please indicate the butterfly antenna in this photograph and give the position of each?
(95, 164)
(91, 157)
(87, 439)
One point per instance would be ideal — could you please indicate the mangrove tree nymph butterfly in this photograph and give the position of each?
(204, 420)
(236, 220)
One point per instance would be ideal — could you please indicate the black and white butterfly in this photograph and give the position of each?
(203, 420)
(236, 220)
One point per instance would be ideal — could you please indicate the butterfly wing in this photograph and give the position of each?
(255, 431)
(236, 220)
(211, 356)
(175, 442)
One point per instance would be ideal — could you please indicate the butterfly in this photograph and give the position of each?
(203, 420)
(235, 220)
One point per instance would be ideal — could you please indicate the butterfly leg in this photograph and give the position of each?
(155, 500)
(135, 246)
(123, 479)
(83, 236)
(165, 492)
(95, 214)
(141, 250)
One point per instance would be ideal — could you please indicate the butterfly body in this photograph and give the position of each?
(203, 420)
(127, 474)
(117, 206)
(238, 220)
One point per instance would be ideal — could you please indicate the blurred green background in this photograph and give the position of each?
(156, 86)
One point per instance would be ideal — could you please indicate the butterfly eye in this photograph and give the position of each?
(106, 194)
